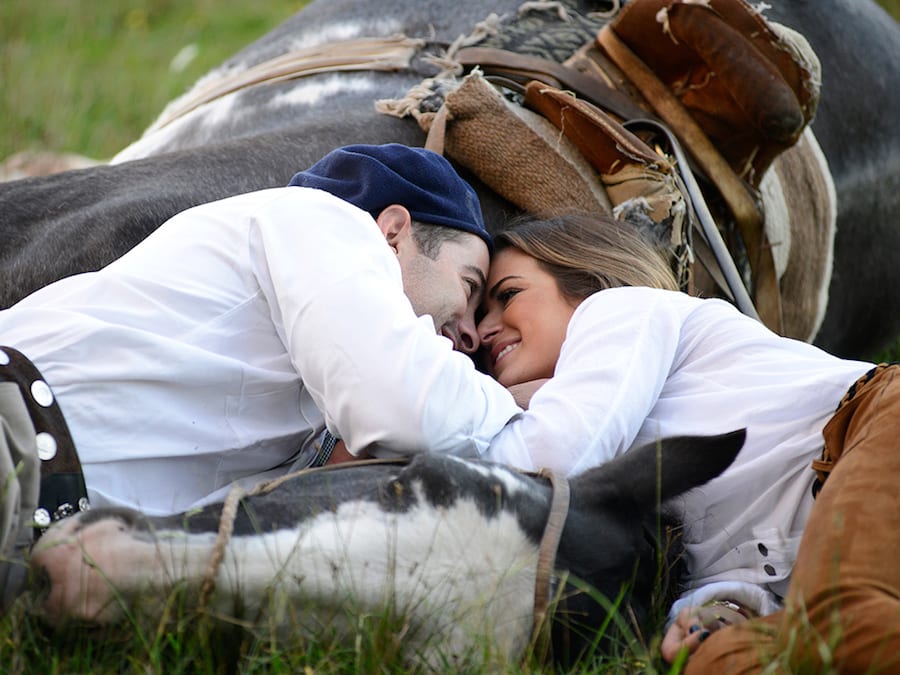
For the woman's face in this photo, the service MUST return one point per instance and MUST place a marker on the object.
(525, 319)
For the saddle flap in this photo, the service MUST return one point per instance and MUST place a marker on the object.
(751, 86)
(604, 142)
(630, 169)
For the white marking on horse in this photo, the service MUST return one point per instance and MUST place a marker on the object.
(512, 482)
(347, 30)
(207, 117)
(455, 575)
(312, 92)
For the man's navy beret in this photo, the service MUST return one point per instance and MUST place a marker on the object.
(372, 177)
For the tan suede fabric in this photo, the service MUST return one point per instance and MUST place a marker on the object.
(842, 613)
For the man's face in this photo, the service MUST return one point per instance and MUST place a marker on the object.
(449, 288)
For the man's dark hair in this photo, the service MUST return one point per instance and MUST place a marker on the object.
(430, 238)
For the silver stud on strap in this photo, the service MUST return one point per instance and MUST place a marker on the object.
(42, 518)
(46, 446)
(41, 393)
(63, 511)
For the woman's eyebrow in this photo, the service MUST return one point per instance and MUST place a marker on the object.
(493, 292)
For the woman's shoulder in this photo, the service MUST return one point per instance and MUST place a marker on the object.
(643, 306)
(642, 298)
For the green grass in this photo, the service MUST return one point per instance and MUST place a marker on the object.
(892, 6)
(87, 76)
(185, 642)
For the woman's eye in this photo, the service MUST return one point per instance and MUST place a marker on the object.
(506, 295)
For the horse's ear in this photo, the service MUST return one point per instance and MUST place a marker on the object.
(395, 223)
(658, 471)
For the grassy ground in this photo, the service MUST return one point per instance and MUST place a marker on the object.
(87, 76)
(185, 642)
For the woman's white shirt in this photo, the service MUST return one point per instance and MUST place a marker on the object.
(640, 364)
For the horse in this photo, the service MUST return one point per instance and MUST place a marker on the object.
(453, 548)
(258, 136)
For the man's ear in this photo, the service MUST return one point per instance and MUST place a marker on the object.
(395, 223)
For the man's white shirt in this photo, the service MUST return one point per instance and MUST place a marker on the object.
(208, 353)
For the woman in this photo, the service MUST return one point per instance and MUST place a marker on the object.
(588, 304)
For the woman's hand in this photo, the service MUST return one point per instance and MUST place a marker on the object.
(694, 624)
(523, 392)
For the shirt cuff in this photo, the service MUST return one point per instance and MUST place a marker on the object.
(751, 596)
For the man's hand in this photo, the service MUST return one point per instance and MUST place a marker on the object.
(695, 624)
(523, 392)
(340, 454)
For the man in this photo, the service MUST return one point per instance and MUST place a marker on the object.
(221, 347)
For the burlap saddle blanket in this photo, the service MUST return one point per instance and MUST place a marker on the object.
(736, 93)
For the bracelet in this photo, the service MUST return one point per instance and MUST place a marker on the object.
(733, 606)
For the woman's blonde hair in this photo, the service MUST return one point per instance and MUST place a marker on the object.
(588, 253)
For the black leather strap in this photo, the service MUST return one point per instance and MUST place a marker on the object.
(63, 491)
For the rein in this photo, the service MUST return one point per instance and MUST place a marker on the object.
(556, 520)
(361, 54)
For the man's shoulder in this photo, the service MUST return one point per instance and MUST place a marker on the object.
(281, 200)
(259, 199)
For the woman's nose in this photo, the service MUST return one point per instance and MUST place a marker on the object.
(487, 328)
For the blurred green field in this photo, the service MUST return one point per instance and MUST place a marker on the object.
(88, 76)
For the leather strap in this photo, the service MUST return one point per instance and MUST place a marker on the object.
(556, 522)
(361, 54)
(62, 488)
(522, 69)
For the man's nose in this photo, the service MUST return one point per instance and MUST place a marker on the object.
(468, 335)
